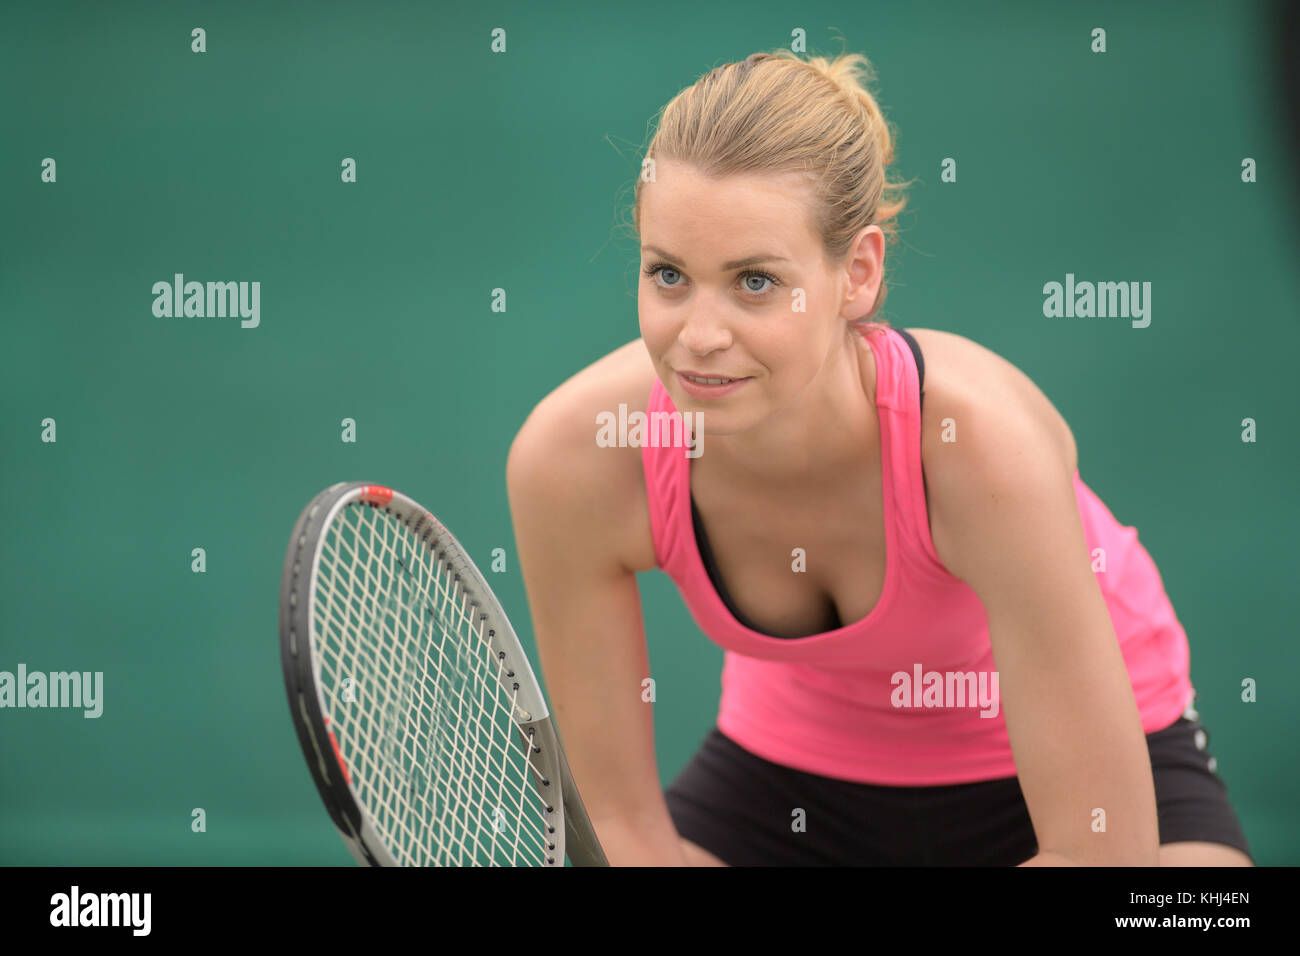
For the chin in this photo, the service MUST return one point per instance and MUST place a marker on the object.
(718, 421)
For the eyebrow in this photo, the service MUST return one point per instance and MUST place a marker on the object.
(736, 264)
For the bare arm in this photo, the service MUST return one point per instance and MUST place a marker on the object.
(568, 500)
(1005, 501)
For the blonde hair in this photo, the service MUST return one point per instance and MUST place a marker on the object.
(774, 112)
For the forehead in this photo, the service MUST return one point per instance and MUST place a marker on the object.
(682, 198)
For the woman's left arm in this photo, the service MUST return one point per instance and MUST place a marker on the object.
(1005, 520)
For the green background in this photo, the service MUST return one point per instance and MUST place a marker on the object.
(479, 170)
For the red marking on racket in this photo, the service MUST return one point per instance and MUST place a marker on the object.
(333, 742)
(376, 495)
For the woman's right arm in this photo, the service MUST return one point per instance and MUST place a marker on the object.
(570, 501)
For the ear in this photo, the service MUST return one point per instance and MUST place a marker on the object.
(863, 270)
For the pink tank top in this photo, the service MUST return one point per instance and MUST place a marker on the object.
(852, 703)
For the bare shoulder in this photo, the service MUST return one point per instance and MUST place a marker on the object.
(556, 463)
(973, 385)
(982, 417)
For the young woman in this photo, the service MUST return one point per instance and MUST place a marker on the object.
(941, 647)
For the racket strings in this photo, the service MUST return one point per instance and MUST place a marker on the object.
(418, 701)
(461, 623)
(403, 677)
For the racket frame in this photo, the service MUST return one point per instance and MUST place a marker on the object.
(568, 826)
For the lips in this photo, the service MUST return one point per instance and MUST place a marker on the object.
(710, 387)
(710, 381)
(710, 378)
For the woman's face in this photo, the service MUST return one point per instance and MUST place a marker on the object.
(772, 321)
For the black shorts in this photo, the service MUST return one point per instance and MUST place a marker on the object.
(739, 807)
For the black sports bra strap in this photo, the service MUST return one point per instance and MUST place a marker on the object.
(920, 361)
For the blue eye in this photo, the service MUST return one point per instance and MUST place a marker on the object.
(655, 268)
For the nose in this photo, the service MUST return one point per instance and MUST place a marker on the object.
(702, 333)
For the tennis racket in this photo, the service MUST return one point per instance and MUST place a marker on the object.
(416, 708)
